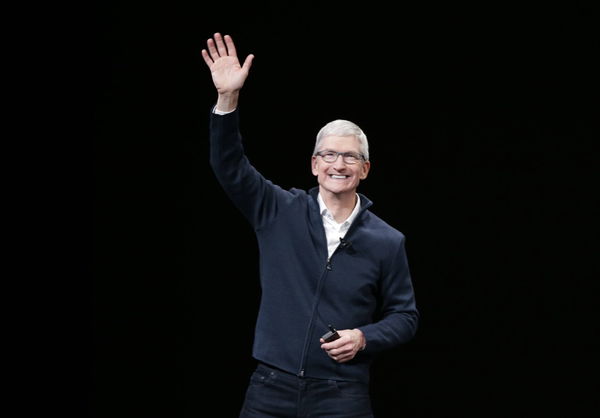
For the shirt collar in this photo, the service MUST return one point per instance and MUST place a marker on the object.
(325, 212)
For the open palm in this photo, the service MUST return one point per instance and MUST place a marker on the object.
(221, 57)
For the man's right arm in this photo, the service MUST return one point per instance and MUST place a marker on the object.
(255, 196)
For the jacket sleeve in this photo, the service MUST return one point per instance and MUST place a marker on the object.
(257, 198)
(399, 315)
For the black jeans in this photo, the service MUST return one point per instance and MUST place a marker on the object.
(274, 393)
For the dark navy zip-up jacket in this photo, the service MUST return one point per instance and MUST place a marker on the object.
(365, 285)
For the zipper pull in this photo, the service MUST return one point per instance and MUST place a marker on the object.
(328, 266)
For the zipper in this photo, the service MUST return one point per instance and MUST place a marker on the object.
(307, 341)
(328, 267)
(312, 317)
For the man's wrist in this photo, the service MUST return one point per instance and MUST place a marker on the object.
(221, 112)
(227, 102)
(363, 340)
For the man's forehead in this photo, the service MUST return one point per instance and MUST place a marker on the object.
(337, 141)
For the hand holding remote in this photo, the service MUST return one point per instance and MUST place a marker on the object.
(330, 336)
(342, 346)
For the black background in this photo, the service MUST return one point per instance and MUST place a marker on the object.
(481, 123)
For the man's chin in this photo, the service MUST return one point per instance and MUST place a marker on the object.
(338, 190)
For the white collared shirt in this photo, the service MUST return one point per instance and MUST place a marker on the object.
(334, 230)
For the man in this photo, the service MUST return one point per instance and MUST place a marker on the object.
(327, 265)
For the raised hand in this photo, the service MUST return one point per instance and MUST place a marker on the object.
(221, 58)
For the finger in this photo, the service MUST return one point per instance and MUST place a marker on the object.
(342, 349)
(212, 50)
(207, 58)
(230, 45)
(248, 62)
(334, 344)
(344, 359)
(338, 352)
(220, 45)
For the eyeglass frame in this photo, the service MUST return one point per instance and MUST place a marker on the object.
(343, 154)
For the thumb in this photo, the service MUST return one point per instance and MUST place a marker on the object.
(248, 62)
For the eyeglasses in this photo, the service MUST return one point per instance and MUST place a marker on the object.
(332, 156)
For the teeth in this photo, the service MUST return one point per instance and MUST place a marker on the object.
(338, 177)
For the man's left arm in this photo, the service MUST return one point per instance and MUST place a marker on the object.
(399, 315)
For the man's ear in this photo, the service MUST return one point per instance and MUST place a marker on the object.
(365, 170)
(313, 164)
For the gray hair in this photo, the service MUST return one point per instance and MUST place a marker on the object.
(342, 127)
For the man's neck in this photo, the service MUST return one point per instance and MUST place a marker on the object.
(340, 205)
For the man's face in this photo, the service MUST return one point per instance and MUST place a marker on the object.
(339, 177)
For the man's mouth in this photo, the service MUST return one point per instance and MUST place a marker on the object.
(338, 176)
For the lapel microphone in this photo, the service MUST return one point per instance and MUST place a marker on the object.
(347, 245)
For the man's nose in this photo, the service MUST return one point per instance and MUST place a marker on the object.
(339, 163)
